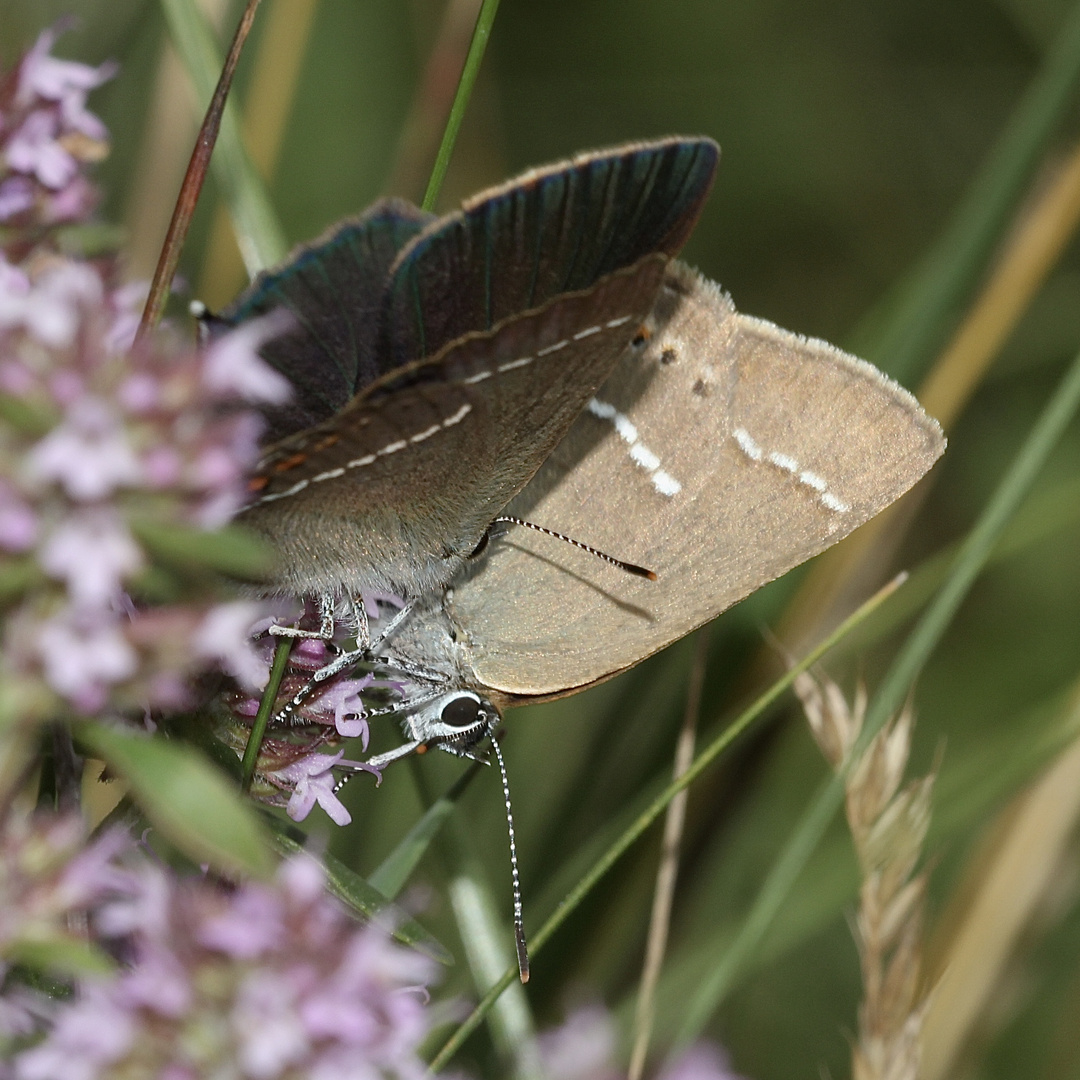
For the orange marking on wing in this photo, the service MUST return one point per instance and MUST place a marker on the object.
(290, 462)
(257, 483)
(325, 443)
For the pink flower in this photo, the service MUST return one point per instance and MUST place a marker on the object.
(52, 309)
(33, 149)
(92, 552)
(315, 993)
(143, 912)
(18, 523)
(702, 1061)
(83, 653)
(160, 983)
(128, 302)
(314, 780)
(162, 466)
(140, 392)
(268, 1027)
(14, 289)
(50, 306)
(54, 876)
(97, 1033)
(62, 81)
(582, 1047)
(232, 364)
(88, 454)
(250, 927)
(225, 637)
(349, 712)
(74, 203)
(16, 196)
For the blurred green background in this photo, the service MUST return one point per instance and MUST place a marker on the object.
(851, 132)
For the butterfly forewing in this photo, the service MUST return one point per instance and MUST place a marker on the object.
(401, 483)
(720, 455)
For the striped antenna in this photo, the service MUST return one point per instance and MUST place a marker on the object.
(629, 567)
(519, 925)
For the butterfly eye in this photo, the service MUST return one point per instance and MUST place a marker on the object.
(462, 712)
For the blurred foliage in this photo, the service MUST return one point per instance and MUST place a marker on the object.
(850, 133)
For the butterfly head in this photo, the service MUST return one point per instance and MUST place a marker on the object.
(455, 721)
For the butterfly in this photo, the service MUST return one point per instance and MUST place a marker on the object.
(436, 362)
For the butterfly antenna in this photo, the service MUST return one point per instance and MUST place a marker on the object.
(629, 567)
(519, 925)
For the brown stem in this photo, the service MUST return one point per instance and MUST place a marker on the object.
(193, 180)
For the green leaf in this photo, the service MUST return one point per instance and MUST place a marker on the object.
(61, 956)
(17, 575)
(261, 240)
(26, 418)
(358, 893)
(187, 798)
(232, 550)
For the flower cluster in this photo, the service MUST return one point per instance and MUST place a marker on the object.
(264, 981)
(107, 436)
(52, 881)
(51, 874)
(106, 444)
(47, 136)
(292, 769)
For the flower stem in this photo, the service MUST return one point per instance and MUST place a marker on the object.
(262, 717)
(193, 180)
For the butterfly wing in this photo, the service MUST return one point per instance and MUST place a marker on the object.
(554, 230)
(400, 485)
(397, 489)
(721, 455)
(333, 287)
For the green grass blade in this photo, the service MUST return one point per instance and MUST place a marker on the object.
(481, 33)
(262, 717)
(258, 233)
(392, 873)
(488, 950)
(905, 669)
(921, 315)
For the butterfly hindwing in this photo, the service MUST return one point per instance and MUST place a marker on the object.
(551, 231)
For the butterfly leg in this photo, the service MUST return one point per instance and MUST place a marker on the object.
(365, 646)
(327, 611)
(388, 631)
(326, 624)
